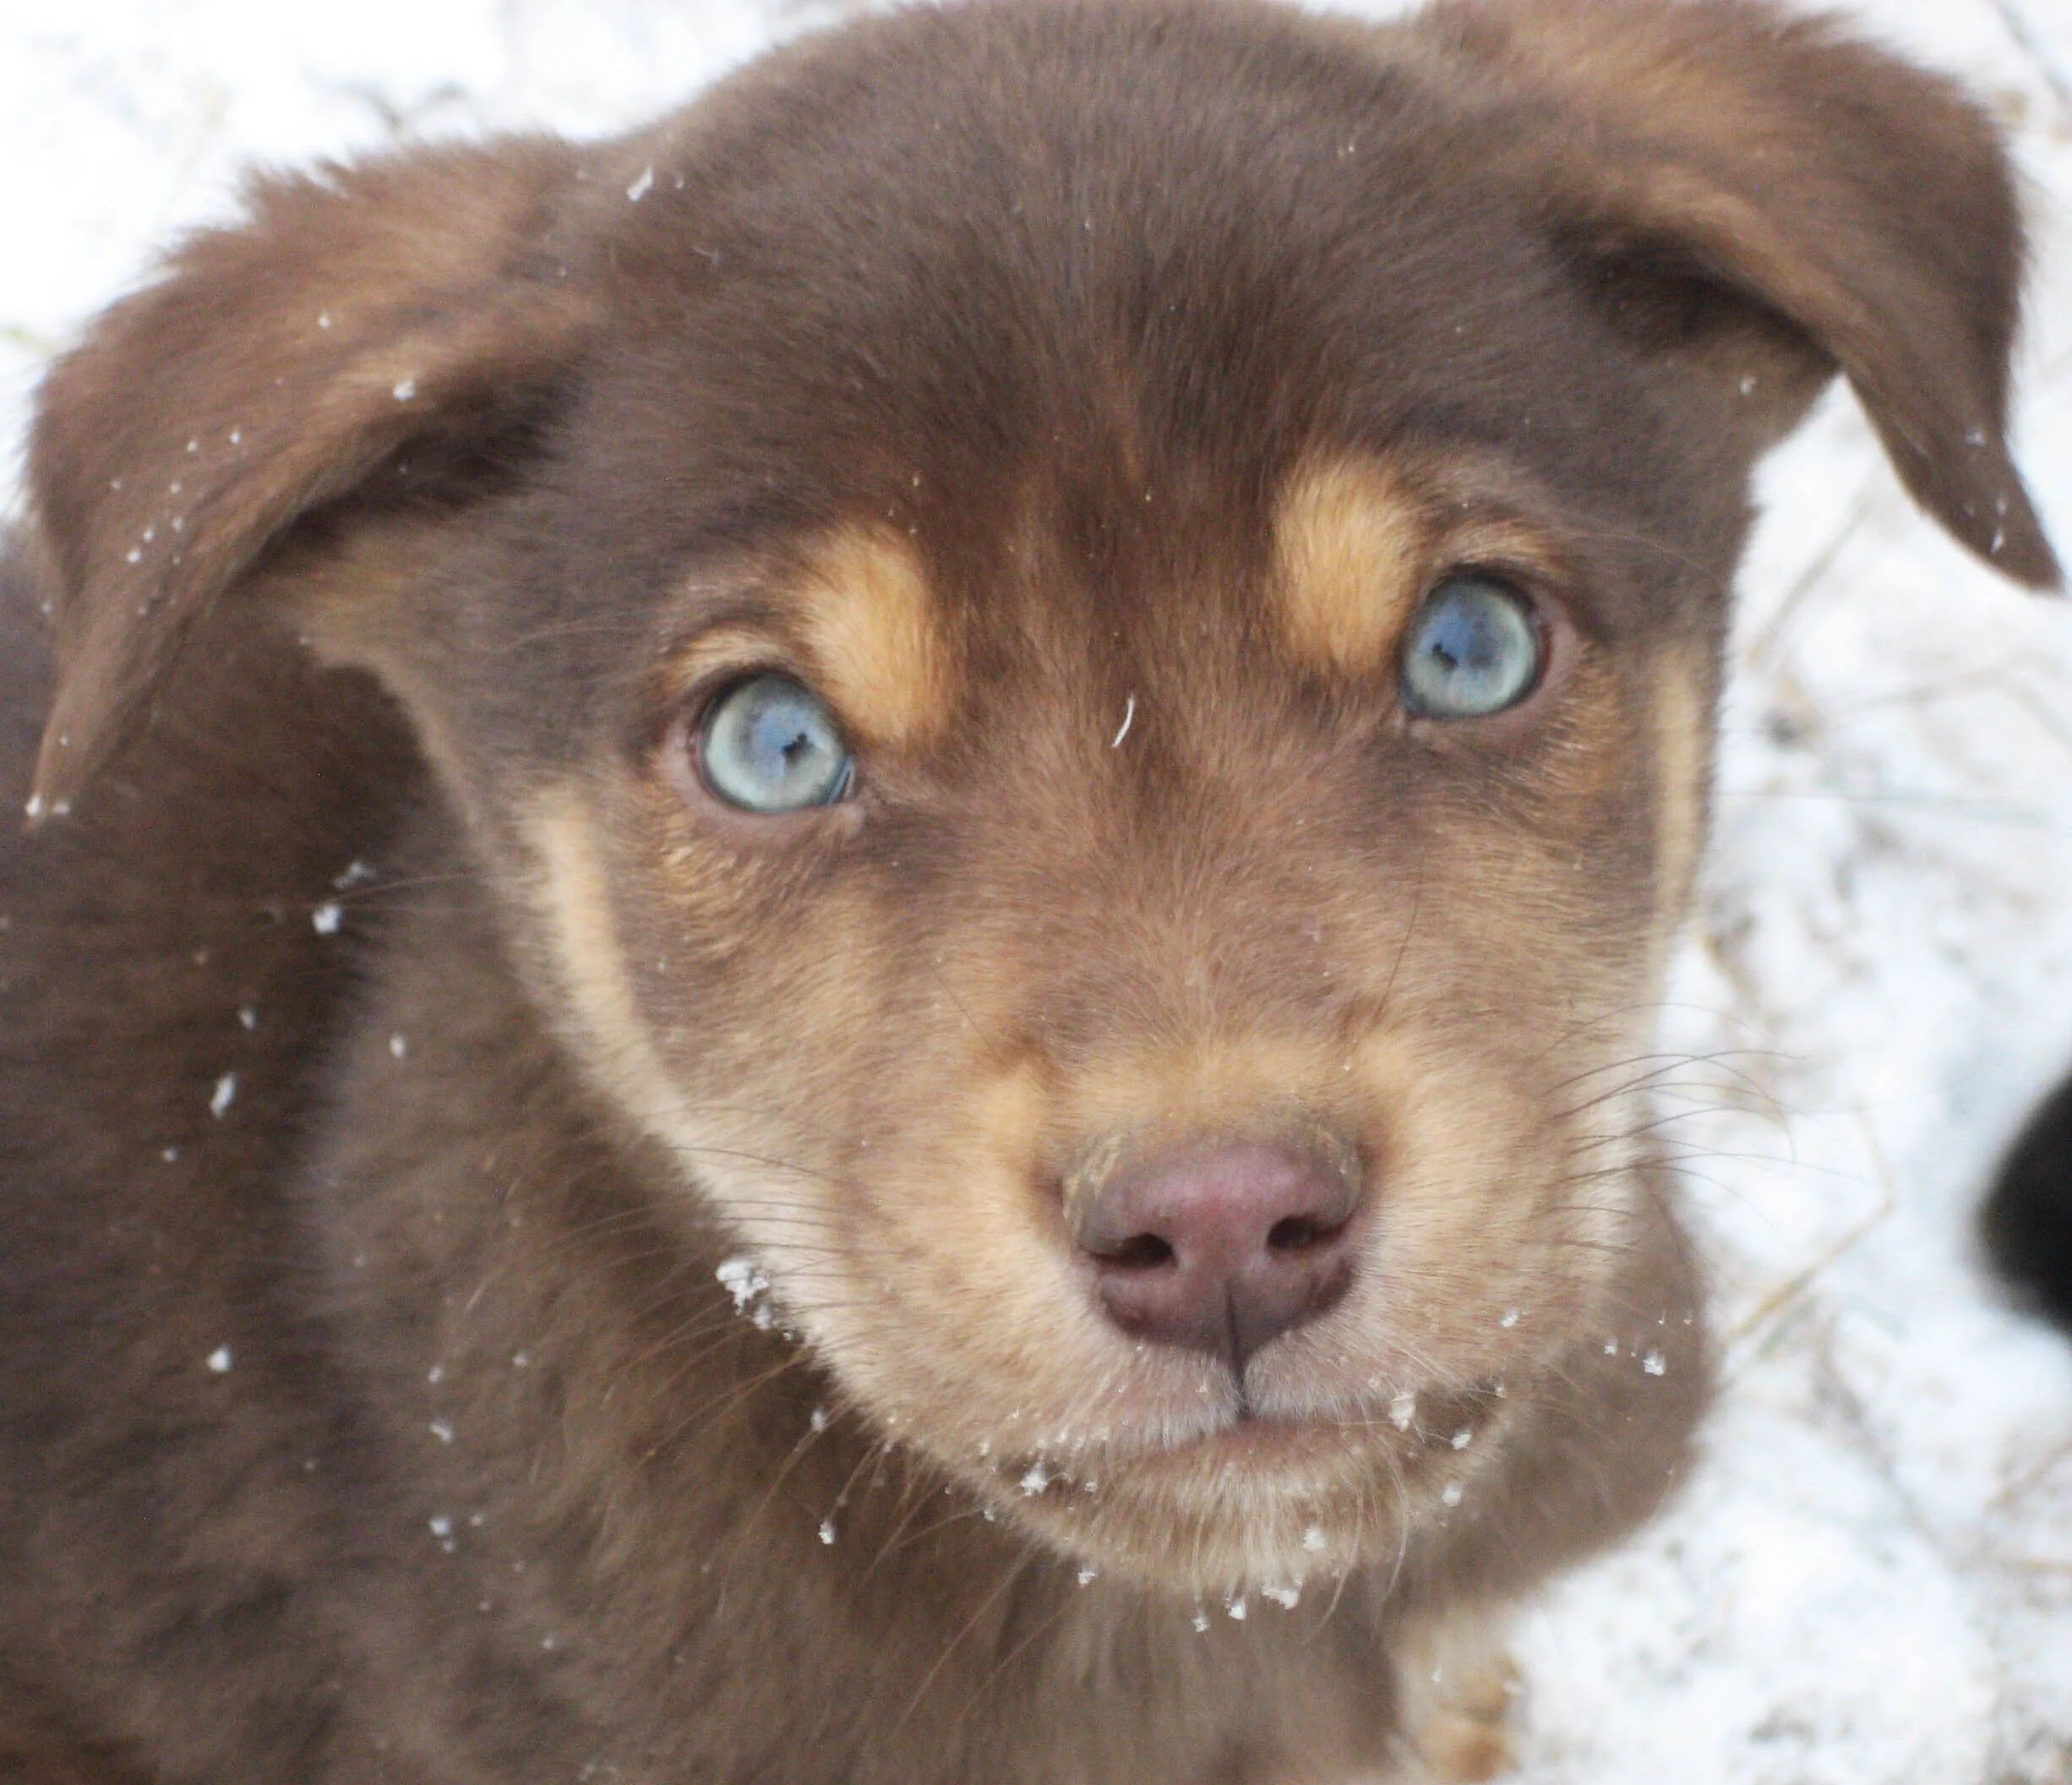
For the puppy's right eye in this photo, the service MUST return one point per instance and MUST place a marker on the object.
(1474, 650)
(769, 745)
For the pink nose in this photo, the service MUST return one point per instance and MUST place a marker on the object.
(1221, 1250)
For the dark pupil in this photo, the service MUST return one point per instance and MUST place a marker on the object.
(1466, 638)
(783, 742)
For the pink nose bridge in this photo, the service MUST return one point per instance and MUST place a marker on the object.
(1220, 1248)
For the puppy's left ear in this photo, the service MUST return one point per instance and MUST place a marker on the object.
(1770, 201)
(412, 305)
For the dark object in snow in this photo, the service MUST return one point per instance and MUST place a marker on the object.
(837, 960)
(2027, 1221)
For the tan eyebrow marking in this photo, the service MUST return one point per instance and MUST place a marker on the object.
(1352, 541)
(880, 653)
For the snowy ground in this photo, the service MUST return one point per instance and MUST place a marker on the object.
(1871, 1582)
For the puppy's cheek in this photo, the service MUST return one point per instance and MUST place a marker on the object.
(579, 961)
(966, 1332)
(1498, 1224)
(746, 1126)
(1682, 766)
(971, 1327)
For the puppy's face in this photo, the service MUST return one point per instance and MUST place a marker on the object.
(1091, 695)
(1177, 1068)
(1128, 850)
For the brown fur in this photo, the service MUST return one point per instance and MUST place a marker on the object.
(388, 1013)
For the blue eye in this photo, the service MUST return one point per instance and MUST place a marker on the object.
(769, 745)
(1474, 650)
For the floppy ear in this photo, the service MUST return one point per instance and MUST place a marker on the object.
(410, 304)
(1774, 201)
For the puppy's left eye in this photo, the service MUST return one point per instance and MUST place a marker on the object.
(769, 745)
(1474, 649)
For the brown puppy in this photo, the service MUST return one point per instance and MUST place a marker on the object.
(841, 956)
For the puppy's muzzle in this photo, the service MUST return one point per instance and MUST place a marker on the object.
(1221, 1246)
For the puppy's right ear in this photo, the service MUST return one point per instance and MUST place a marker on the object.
(424, 304)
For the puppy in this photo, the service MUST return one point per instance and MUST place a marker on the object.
(836, 953)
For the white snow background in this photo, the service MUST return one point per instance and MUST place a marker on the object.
(1870, 1581)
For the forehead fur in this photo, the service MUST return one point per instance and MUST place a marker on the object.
(1041, 320)
(1037, 289)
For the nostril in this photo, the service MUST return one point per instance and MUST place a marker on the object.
(1300, 1233)
(1142, 1252)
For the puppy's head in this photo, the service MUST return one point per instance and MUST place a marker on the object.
(1082, 640)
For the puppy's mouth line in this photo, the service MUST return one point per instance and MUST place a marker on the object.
(1437, 1426)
